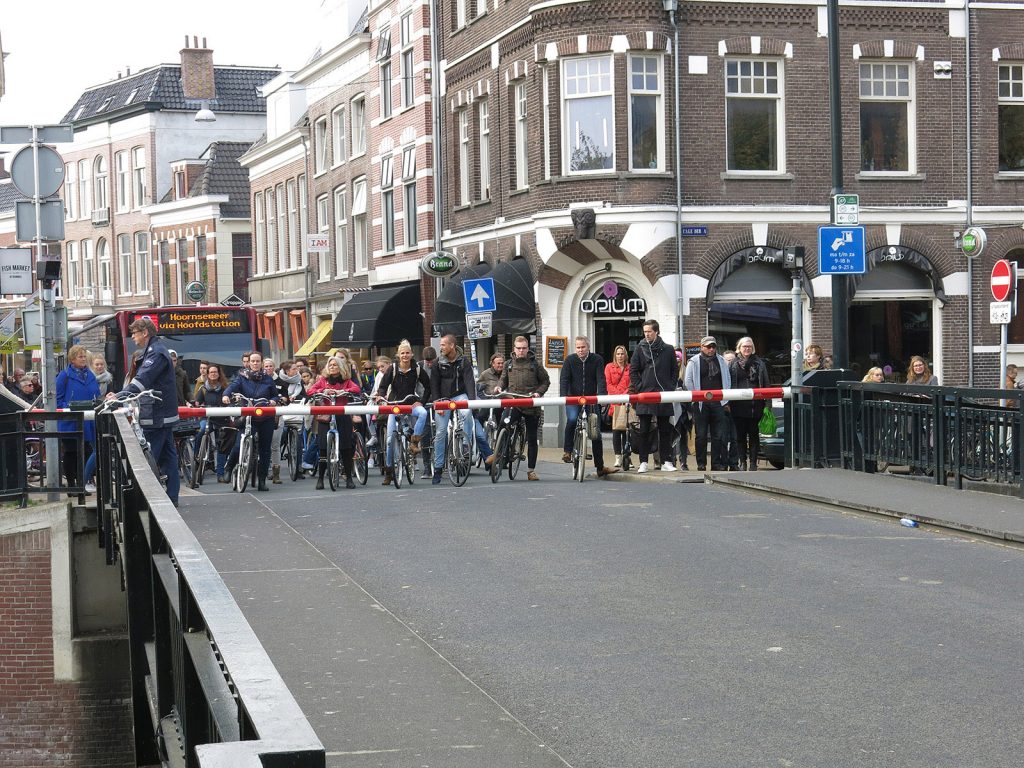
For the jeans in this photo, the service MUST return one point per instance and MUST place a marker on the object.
(161, 444)
(441, 433)
(419, 413)
(572, 414)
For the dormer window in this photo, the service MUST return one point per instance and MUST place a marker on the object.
(131, 96)
(384, 45)
(179, 185)
(102, 107)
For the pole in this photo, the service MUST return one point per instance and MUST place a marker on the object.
(970, 201)
(797, 346)
(840, 299)
(680, 299)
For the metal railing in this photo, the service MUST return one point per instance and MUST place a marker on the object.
(204, 692)
(28, 441)
(943, 432)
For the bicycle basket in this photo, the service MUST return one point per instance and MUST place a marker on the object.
(594, 425)
(186, 426)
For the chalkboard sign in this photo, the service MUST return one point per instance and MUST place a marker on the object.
(554, 354)
(691, 350)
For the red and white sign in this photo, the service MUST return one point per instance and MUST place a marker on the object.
(1001, 284)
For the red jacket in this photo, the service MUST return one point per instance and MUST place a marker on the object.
(346, 386)
(617, 380)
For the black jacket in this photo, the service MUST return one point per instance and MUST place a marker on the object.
(749, 374)
(583, 377)
(448, 379)
(155, 371)
(401, 385)
(653, 368)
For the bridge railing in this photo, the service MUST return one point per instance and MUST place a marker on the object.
(204, 692)
(943, 432)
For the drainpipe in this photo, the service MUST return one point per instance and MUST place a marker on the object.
(304, 136)
(970, 203)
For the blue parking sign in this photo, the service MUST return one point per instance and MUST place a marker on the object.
(841, 251)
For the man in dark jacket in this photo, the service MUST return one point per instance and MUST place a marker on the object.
(182, 386)
(156, 417)
(523, 375)
(708, 370)
(582, 374)
(654, 368)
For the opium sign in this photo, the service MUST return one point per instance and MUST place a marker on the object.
(614, 307)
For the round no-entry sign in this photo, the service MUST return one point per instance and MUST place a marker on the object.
(1000, 281)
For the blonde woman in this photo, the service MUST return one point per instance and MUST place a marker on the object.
(874, 376)
(616, 377)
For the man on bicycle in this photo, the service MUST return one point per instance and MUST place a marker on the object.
(523, 375)
(583, 374)
(156, 417)
(451, 378)
(255, 385)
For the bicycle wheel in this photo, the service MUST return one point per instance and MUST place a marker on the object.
(246, 457)
(579, 453)
(409, 463)
(457, 458)
(397, 459)
(627, 451)
(201, 459)
(499, 455)
(359, 467)
(515, 450)
(294, 454)
(331, 457)
(186, 458)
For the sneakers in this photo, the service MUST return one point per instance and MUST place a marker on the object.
(307, 467)
(668, 466)
(618, 459)
(436, 479)
(605, 471)
(531, 475)
(642, 468)
(566, 457)
(90, 487)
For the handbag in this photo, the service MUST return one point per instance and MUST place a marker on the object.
(593, 425)
(619, 418)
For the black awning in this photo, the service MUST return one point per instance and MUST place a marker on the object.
(755, 270)
(513, 293)
(898, 260)
(450, 306)
(381, 317)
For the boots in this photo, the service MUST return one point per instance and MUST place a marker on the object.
(275, 474)
(320, 476)
(414, 445)
(262, 484)
(389, 475)
(346, 459)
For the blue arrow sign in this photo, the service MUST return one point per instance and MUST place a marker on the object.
(479, 295)
(841, 251)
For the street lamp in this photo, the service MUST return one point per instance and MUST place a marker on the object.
(671, 6)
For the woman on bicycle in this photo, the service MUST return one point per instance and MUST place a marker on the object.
(77, 382)
(210, 395)
(255, 385)
(399, 382)
(616, 377)
(337, 375)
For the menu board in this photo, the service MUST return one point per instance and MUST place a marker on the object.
(691, 350)
(554, 351)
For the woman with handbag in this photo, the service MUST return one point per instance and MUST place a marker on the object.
(616, 376)
(748, 371)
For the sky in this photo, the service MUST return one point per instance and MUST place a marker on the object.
(59, 48)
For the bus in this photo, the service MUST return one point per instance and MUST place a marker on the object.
(216, 334)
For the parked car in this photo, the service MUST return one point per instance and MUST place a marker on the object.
(773, 446)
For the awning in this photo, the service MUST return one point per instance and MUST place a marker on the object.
(450, 306)
(752, 271)
(513, 293)
(316, 338)
(515, 309)
(904, 269)
(381, 317)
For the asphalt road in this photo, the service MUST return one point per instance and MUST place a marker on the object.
(624, 624)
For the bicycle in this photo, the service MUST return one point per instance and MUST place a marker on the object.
(402, 460)
(205, 457)
(131, 404)
(184, 434)
(332, 450)
(293, 445)
(248, 454)
(580, 439)
(458, 451)
(510, 441)
(627, 441)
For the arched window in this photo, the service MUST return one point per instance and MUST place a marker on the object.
(100, 195)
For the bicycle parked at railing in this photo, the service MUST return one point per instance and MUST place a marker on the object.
(131, 405)
(245, 468)
(510, 442)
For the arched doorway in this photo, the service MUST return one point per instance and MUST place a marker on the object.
(616, 313)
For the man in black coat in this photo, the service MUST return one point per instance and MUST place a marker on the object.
(654, 368)
(583, 374)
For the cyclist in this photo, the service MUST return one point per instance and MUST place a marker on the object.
(337, 375)
(583, 374)
(524, 374)
(451, 378)
(399, 382)
(156, 417)
(255, 384)
(488, 383)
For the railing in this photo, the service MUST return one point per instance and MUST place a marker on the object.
(28, 441)
(204, 692)
(101, 216)
(943, 432)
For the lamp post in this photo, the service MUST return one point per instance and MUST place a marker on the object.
(671, 6)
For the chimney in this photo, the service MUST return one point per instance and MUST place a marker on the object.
(197, 71)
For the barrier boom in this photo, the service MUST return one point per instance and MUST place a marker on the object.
(650, 398)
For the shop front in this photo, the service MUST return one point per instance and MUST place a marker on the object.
(373, 322)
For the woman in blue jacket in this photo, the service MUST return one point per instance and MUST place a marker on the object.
(254, 384)
(77, 382)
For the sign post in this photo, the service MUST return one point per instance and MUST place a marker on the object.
(479, 296)
(1003, 283)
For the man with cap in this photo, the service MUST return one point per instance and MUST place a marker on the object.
(708, 370)
(654, 368)
(181, 383)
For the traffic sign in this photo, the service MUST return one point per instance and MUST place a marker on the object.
(1000, 312)
(479, 295)
(1001, 280)
(478, 325)
(846, 209)
(841, 251)
(51, 171)
(233, 301)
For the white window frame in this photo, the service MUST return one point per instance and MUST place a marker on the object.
(323, 225)
(122, 183)
(105, 281)
(464, 194)
(284, 258)
(753, 77)
(407, 62)
(546, 120)
(271, 219)
(1010, 94)
(70, 191)
(142, 265)
(460, 13)
(484, 123)
(303, 221)
(84, 189)
(387, 204)
(101, 198)
(357, 125)
(340, 233)
(259, 214)
(386, 107)
(409, 196)
(72, 270)
(360, 226)
(320, 145)
(338, 154)
(293, 225)
(522, 141)
(181, 267)
(124, 264)
(909, 100)
(643, 90)
(578, 86)
(88, 265)
(139, 180)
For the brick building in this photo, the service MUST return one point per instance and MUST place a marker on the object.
(559, 138)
